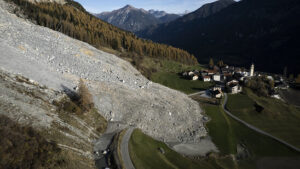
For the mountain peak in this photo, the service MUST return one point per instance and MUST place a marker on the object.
(135, 19)
(128, 7)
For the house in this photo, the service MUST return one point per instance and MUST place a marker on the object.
(204, 74)
(238, 70)
(195, 77)
(217, 88)
(233, 81)
(227, 76)
(211, 72)
(233, 87)
(191, 73)
(270, 78)
(217, 94)
(225, 70)
(206, 78)
(217, 77)
(239, 76)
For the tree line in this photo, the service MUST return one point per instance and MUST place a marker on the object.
(72, 20)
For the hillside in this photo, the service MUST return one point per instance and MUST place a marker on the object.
(55, 62)
(265, 32)
(206, 10)
(132, 19)
(72, 20)
(176, 26)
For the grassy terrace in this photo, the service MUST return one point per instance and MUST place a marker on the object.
(167, 75)
(271, 115)
(174, 81)
(226, 133)
(145, 154)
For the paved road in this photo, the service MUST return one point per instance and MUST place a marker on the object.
(104, 142)
(256, 129)
(124, 149)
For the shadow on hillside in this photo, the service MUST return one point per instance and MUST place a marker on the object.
(73, 95)
(199, 89)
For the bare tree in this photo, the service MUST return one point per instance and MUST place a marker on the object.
(85, 97)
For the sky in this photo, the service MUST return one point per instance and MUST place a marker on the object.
(170, 6)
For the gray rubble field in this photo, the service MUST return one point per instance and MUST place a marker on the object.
(120, 92)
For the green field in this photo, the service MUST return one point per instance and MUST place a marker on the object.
(226, 133)
(145, 154)
(174, 81)
(271, 115)
(166, 73)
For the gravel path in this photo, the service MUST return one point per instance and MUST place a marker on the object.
(193, 94)
(202, 148)
(124, 149)
(255, 128)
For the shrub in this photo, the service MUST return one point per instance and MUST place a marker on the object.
(23, 147)
(85, 98)
(261, 86)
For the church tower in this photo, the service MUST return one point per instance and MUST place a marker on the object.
(252, 70)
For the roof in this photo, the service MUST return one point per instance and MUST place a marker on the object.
(227, 74)
(212, 71)
(216, 92)
(233, 84)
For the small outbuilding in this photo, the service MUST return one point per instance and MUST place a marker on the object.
(206, 78)
(217, 94)
(195, 77)
(217, 77)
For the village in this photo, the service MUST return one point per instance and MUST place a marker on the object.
(231, 79)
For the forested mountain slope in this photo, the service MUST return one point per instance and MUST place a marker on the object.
(73, 20)
(265, 32)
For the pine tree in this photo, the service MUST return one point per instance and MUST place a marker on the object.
(285, 72)
(220, 63)
(211, 63)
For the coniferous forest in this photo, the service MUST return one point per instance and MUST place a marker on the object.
(72, 20)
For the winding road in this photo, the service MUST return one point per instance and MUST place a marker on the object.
(124, 149)
(125, 141)
(255, 128)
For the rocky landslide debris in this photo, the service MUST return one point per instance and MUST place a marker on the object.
(120, 92)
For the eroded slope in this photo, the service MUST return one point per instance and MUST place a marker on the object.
(120, 92)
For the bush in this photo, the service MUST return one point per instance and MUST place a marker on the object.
(23, 147)
(261, 86)
(85, 98)
(78, 103)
